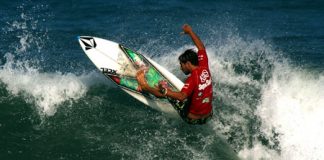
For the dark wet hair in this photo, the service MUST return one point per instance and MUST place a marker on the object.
(189, 55)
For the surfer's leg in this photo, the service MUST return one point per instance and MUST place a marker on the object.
(183, 110)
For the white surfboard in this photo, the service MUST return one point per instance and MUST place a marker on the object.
(121, 64)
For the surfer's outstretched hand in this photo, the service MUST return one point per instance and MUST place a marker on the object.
(186, 28)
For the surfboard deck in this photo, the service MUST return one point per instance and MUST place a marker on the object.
(121, 64)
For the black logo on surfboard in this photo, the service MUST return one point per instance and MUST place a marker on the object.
(88, 42)
(109, 71)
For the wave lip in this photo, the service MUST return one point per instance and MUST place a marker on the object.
(291, 111)
(46, 90)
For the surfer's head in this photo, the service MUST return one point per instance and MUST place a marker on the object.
(187, 59)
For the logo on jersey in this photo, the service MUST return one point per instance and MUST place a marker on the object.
(203, 86)
(201, 57)
(204, 79)
(204, 75)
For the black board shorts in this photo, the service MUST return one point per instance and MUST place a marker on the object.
(183, 110)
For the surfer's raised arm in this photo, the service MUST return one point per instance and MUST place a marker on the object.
(188, 30)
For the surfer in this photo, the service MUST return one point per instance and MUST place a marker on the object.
(197, 92)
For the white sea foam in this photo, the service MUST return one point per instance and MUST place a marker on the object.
(290, 108)
(22, 77)
(46, 90)
(293, 106)
(259, 152)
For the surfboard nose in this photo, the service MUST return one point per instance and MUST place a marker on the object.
(87, 41)
(84, 37)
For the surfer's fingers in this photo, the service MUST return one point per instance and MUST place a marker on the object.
(142, 70)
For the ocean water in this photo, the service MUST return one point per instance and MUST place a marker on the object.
(266, 59)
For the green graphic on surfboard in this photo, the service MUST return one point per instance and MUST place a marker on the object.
(152, 76)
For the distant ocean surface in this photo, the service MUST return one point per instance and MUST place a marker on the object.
(267, 65)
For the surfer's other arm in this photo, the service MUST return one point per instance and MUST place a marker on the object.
(188, 30)
(140, 76)
(157, 91)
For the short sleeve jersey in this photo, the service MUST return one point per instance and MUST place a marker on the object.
(198, 87)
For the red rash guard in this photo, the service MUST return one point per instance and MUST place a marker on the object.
(198, 87)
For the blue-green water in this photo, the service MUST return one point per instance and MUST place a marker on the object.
(266, 59)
